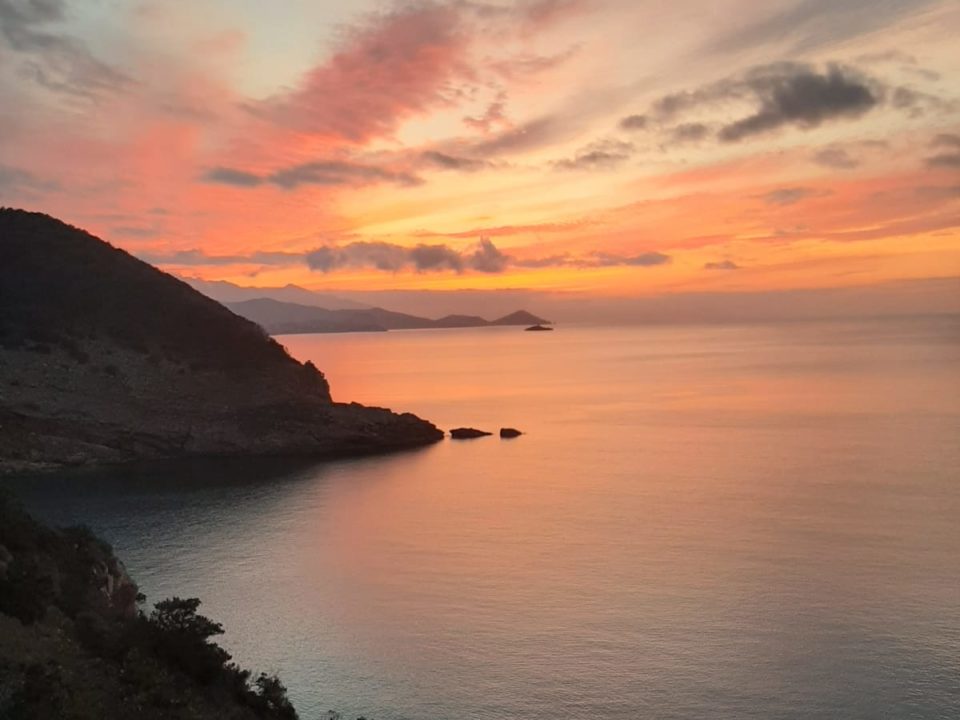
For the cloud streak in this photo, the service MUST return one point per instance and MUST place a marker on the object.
(56, 61)
(328, 173)
(481, 257)
(783, 94)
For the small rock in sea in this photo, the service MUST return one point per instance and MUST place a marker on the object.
(538, 328)
(510, 433)
(467, 433)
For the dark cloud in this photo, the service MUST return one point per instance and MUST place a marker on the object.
(385, 256)
(338, 173)
(53, 60)
(542, 262)
(453, 162)
(601, 155)
(789, 195)
(836, 158)
(800, 96)
(487, 258)
(533, 134)
(483, 257)
(945, 160)
(435, 257)
(635, 122)
(938, 192)
(326, 173)
(647, 259)
(379, 255)
(811, 24)
(689, 132)
(230, 176)
(783, 94)
(13, 179)
(946, 140)
(722, 265)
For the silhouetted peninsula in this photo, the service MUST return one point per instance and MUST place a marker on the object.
(104, 358)
(284, 318)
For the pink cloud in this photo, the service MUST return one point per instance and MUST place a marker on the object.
(396, 66)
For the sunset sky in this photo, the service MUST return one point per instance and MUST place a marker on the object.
(612, 147)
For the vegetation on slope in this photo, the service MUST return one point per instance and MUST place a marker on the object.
(62, 286)
(74, 645)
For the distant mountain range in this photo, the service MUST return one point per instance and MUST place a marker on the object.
(227, 292)
(287, 318)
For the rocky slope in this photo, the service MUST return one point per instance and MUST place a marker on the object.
(104, 358)
(74, 644)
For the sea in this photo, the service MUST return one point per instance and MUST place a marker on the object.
(734, 522)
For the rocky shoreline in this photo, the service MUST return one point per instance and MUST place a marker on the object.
(106, 359)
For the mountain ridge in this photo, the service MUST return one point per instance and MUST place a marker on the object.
(280, 318)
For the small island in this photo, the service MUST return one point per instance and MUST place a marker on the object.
(538, 328)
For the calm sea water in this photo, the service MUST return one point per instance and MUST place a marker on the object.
(701, 522)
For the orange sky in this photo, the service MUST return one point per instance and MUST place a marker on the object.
(604, 146)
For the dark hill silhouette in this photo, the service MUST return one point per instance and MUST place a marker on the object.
(291, 318)
(459, 321)
(280, 318)
(520, 317)
(105, 358)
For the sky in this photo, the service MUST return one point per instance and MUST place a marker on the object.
(598, 148)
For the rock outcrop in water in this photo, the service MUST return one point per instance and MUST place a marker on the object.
(509, 433)
(104, 358)
(468, 433)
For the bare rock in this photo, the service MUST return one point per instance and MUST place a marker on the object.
(468, 433)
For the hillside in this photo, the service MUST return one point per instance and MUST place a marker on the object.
(104, 358)
(281, 318)
(74, 643)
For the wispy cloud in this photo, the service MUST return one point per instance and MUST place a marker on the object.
(790, 195)
(389, 68)
(54, 59)
(482, 257)
(603, 154)
(330, 173)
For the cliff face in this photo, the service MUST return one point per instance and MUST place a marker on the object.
(104, 358)
(75, 646)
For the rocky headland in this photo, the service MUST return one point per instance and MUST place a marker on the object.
(104, 358)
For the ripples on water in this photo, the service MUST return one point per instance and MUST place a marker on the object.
(739, 522)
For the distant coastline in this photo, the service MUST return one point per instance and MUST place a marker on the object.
(287, 318)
